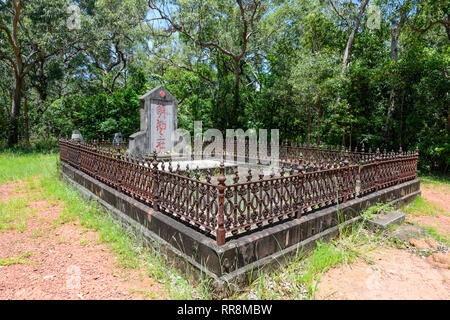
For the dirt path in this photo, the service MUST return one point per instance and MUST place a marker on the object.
(437, 195)
(396, 274)
(399, 273)
(440, 197)
(50, 260)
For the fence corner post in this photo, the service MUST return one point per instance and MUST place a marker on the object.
(220, 235)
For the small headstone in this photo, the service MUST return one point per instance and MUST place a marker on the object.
(159, 120)
(76, 136)
(117, 138)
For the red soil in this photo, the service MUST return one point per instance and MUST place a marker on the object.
(66, 262)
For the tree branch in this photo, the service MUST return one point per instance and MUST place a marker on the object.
(181, 29)
(431, 24)
(183, 67)
(337, 12)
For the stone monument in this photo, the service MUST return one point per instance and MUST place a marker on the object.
(159, 110)
(76, 136)
(117, 138)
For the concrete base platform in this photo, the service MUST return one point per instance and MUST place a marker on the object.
(385, 220)
(233, 265)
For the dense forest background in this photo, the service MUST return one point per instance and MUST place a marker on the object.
(333, 72)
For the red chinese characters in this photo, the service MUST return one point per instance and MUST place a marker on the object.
(161, 127)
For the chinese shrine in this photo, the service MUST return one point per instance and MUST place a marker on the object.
(158, 120)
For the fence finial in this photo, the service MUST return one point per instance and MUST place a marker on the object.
(249, 175)
(208, 175)
(197, 173)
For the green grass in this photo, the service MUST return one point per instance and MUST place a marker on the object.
(41, 171)
(421, 207)
(84, 242)
(21, 259)
(437, 236)
(438, 181)
(369, 213)
(433, 233)
(298, 279)
(145, 293)
(13, 214)
(24, 166)
(37, 234)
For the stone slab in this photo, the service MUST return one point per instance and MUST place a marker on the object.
(408, 231)
(385, 220)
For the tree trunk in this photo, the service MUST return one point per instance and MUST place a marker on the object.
(26, 122)
(351, 38)
(309, 126)
(235, 113)
(350, 137)
(350, 41)
(13, 134)
(395, 34)
(319, 120)
(401, 116)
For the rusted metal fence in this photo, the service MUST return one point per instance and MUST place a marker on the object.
(223, 206)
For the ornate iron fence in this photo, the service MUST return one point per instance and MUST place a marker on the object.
(223, 206)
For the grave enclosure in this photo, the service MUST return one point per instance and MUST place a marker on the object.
(228, 220)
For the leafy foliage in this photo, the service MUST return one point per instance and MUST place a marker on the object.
(290, 75)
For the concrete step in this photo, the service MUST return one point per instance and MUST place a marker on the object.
(386, 219)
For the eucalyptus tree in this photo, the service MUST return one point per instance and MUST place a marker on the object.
(30, 32)
(113, 31)
(230, 28)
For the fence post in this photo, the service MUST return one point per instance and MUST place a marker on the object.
(119, 170)
(347, 176)
(377, 169)
(299, 193)
(399, 165)
(96, 160)
(220, 236)
(416, 161)
(78, 148)
(155, 178)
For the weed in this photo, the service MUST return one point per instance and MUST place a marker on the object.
(84, 242)
(379, 208)
(37, 233)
